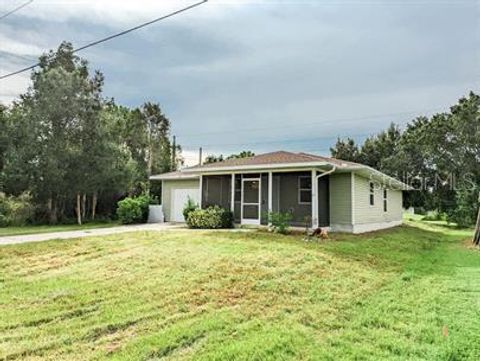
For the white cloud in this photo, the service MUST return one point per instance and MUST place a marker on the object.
(232, 64)
(10, 88)
(110, 12)
(190, 157)
(14, 46)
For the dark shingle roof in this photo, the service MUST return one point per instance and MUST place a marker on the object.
(280, 157)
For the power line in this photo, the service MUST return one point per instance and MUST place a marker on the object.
(113, 36)
(296, 125)
(279, 141)
(15, 10)
(12, 55)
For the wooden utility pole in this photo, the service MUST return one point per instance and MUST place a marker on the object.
(200, 156)
(174, 153)
(476, 237)
(150, 145)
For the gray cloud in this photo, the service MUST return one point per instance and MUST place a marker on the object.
(288, 66)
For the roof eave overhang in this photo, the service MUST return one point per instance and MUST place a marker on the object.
(182, 177)
(257, 167)
(196, 172)
(384, 179)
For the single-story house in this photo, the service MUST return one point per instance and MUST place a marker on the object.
(317, 191)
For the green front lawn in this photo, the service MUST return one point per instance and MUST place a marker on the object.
(15, 231)
(408, 293)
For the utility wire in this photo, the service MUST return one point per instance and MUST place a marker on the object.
(15, 10)
(295, 125)
(18, 56)
(290, 141)
(113, 36)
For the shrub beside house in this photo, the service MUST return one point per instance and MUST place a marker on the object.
(133, 209)
(213, 217)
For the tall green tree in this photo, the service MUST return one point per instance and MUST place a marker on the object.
(60, 144)
(57, 104)
(219, 158)
(242, 154)
(458, 157)
(345, 149)
(159, 148)
(72, 148)
(212, 158)
(375, 150)
(4, 137)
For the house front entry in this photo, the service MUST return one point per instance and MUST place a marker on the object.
(250, 206)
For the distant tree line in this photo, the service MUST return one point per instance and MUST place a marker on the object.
(439, 156)
(75, 151)
(219, 158)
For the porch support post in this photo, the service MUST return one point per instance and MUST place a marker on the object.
(270, 193)
(232, 195)
(314, 199)
(200, 190)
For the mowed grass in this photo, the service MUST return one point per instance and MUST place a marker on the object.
(404, 294)
(34, 229)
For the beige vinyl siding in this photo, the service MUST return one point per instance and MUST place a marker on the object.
(365, 213)
(168, 186)
(340, 199)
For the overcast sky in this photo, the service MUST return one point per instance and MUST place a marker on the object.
(263, 75)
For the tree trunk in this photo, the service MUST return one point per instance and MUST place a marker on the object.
(49, 209)
(52, 210)
(476, 237)
(78, 209)
(61, 208)
(94, 205)
(84, 205)
(150, 159)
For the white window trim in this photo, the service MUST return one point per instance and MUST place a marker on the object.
(304, 189)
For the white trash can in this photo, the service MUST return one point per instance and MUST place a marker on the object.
(155, 213)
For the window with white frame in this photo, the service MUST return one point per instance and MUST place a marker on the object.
(304, 190)
(372, 194)
(385, 200)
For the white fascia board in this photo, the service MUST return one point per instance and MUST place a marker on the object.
(386, 179)
(178, 177)
(352, 195)
(258, 167)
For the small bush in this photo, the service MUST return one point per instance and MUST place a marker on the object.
(190, 206)
(279, 222)
(210, 218)
(154, 200)
(15, 211)
(432, 216)
(466, 209)
(420, 210)
(133, 209)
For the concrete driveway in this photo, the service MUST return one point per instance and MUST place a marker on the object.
(87, 233)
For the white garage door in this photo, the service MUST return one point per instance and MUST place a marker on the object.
(179, 199)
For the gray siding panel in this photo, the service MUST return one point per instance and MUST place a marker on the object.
(264, 200)
(323, 202)
(340, 199)
(289, 202)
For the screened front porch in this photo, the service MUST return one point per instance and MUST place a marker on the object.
(251, 196)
